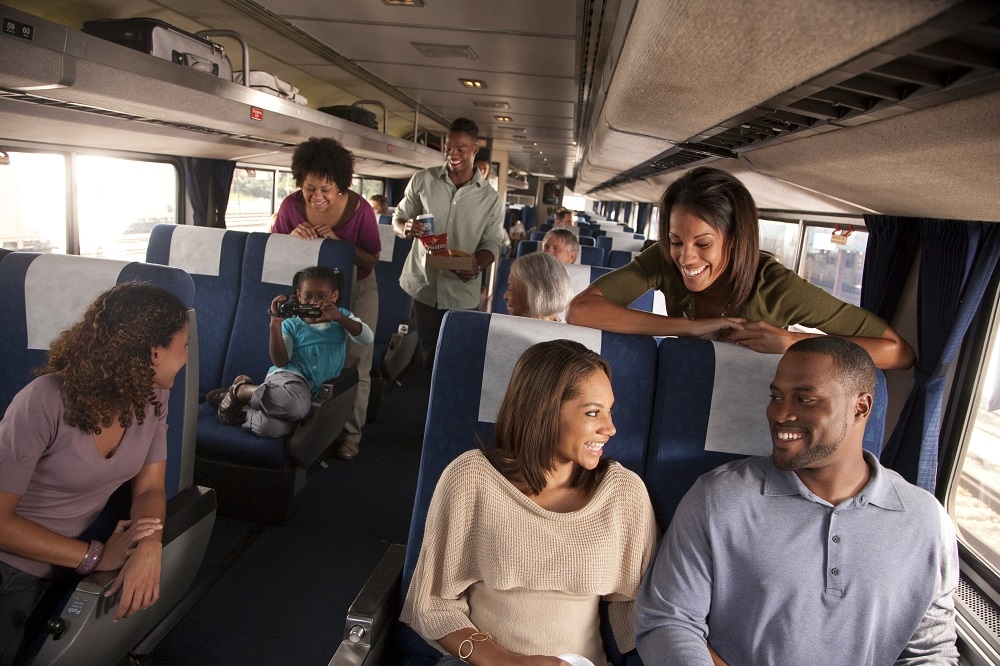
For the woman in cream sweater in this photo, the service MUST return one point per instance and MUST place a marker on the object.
(523, 541)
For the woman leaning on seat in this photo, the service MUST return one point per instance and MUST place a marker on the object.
(538, 287)
(719, 285)
(325, 207)
(524, 540)
(93, 419)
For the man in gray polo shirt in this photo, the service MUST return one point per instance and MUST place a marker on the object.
(815, 554)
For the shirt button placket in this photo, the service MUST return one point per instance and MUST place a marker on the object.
(833, 581)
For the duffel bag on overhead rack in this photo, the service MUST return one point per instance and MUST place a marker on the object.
(355, 114)
(163, 40)
(272, 85)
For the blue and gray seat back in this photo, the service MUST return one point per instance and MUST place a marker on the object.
(709, 410)
(619, 258)
(214, 260)
(475, 357)
(42, 295)
(587, 240)
(393, 303)
(270, 261)
(385, 219)
(612, 241)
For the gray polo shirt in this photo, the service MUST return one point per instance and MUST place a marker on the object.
(769, 573)
(471, 215)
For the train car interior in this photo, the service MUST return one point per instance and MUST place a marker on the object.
(867, 133)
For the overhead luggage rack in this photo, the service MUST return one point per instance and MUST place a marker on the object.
(85, 80)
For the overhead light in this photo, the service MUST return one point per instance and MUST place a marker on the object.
(404, 3)
(520, 137)
(445, 50)
(473, 83)
(490, 105)
(504, 119)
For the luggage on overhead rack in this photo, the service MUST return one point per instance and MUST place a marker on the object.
(164, 41)
(355, 114)
(272, 85)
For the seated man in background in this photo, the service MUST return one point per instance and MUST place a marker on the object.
(815, 553)
(379, 203)
(564, 220)
(562, 245)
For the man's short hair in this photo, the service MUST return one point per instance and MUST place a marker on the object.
(567, 237)
(853, 366)
(464, 126)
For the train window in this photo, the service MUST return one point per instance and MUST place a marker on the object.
(284, 186)
(367, 187)
(251, 200)
(779, 238)
(119, 201)
(976, 503)
(33, 189)
(834, 266)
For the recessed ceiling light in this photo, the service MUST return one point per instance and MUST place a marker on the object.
(473, 83)
(502, 106)
(504, 119)
(445, 50)
(404, 3)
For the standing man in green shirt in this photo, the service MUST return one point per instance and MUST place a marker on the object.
(466, 208)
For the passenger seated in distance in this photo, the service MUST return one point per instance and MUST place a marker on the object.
(510, 570)
(564, 220)
(816, 553)
(719, 285)
(93, 419)
(379, 204)
(538, 287)
(562, 245)
(306, 350)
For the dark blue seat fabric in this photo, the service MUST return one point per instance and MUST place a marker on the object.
(527, 247)
(43, 294)
(619, 258)
(385, 219)
(537, 236)
(269, 264)
(587, 240)
(214, 260)
(592, 256)
(475, 345)
(393, 303)
(614, 241)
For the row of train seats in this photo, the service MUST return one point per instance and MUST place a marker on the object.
(589, 256)
(40, 296)
(580, 276)
(682, 408)
(236, 276)
(616, 249)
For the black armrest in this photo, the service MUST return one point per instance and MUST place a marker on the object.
(372, 613)
(329, 414)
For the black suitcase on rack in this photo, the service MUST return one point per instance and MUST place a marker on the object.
(163, 40)
(355, 114)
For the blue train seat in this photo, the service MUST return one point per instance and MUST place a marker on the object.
(591, 256)
(709, 409)
(214, 260)
(4, 252)
(586, 234)
(537, 236)
(613, 241)
(40, 296)
(393, 303)
(580, 276)
(385, 219)
(587, 240)
(619, 258)
(255, 477)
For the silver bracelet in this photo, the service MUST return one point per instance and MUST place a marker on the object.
(91, 559)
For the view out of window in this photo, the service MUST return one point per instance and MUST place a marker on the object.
(976, 507)
(366, 187)
(251, 200)
(779, 239)
(33, 192)
(118, 203)
(834, 267)
(285, 186)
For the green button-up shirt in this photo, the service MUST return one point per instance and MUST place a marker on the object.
(471, 215)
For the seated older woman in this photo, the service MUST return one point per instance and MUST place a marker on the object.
(538, 287)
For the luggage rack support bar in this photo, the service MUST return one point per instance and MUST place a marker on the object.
(385, 115)
(243, 44)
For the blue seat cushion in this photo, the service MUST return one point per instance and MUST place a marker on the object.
(236, 444)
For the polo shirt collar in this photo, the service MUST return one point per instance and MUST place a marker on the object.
(879, 490)
(442, 174)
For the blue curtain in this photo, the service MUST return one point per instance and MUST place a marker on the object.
(208, 182)
(957, 260)
(642, 218)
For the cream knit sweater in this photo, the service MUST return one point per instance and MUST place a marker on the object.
(487, 540)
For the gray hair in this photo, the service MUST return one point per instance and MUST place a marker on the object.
(546, 283)
(567, 236)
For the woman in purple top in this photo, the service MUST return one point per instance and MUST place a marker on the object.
(325, 207)
(93, 419)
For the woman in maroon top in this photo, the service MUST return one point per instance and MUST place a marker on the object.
(94, 419)
(325, 207)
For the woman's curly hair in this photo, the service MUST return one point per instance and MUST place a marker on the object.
(105, 357)
(324, 158)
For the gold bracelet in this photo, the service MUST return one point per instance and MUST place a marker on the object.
(473, 638)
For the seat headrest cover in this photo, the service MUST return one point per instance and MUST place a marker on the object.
(509, 337)
(198, 250)
(630, 244)
(388, 239)
(58, 288)
(739, 399)
(579, 277)
(286, 255)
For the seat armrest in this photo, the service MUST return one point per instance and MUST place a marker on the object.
(329, 414)
(372, 613)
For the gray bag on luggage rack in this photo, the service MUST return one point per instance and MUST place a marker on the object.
(163, 40)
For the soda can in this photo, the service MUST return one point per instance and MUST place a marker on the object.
(427, 220)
